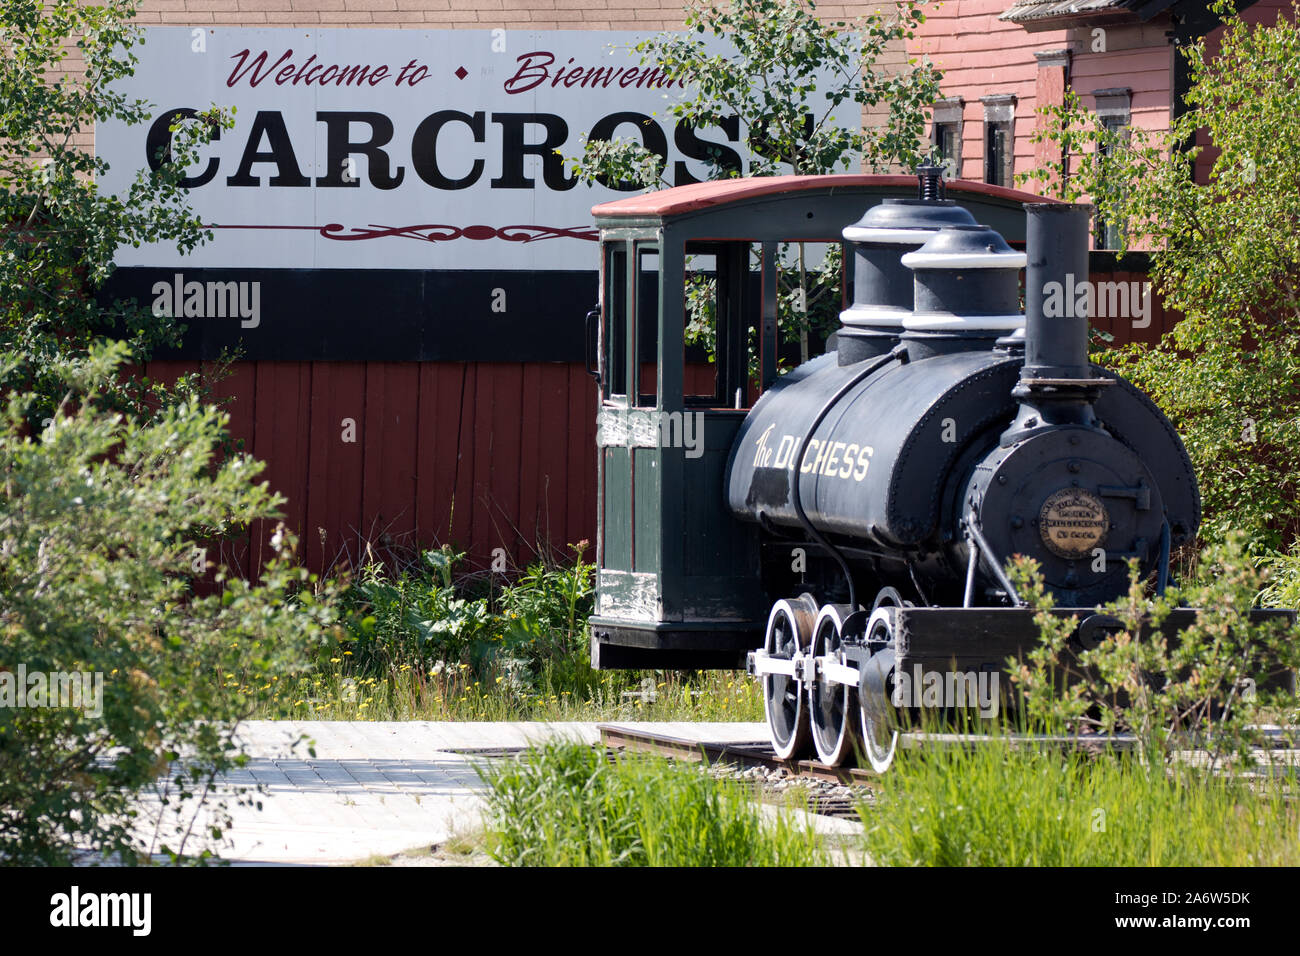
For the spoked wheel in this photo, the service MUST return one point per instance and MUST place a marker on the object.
(878, 719)
(830, 703)
(789, 630)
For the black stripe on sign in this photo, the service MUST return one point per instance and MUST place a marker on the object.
(371, 314)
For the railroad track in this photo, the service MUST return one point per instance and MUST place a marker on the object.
(618, 739)
(759, 753)
(743, 755)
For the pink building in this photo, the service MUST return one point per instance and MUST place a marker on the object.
(1002, 60)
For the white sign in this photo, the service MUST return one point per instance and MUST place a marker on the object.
(400, 149)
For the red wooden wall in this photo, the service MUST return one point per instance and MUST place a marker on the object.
(481, 455)
(1159, 319)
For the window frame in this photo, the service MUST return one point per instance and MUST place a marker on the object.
(946, 130)
(1114, 110)
(999, 123)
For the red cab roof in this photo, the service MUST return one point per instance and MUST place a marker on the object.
(683, 199)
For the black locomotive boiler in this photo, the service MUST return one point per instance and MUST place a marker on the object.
(846, 530)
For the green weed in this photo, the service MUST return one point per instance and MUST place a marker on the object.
(566, 805)
(993, 805)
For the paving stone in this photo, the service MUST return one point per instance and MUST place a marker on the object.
(376, 787)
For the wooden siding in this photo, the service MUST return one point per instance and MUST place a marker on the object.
(1136, 57)
(980, 56)
(481, 455)
(1158, 322)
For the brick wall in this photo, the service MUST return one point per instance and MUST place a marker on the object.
(980, 55)
(446, 14)
(419, 14)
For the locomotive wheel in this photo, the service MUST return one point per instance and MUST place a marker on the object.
(789, 630)
(878, 719)
(889, 597)
(830, 704)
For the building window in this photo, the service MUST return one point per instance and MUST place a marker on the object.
(945, 135)
(999, 139)
(999, 155)
(947, 148)
(1113, 109)
(1052, 83)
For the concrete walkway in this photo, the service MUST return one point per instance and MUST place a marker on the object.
(379, 788)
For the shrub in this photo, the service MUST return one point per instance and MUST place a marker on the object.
(102, 525)
(59, 233)
(546, 615)
(1224, 253)
(113, 488)
(1200, 691)
(417, 617)
(425, 618)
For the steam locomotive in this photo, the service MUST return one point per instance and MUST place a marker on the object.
(844, 528)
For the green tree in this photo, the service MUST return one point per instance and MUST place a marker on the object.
(104, 521)
(1226, 254)
(783, 73)
(120, 676)
(58, 231)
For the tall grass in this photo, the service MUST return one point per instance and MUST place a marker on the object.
(567, 805)
(998, 806)
(338, 690)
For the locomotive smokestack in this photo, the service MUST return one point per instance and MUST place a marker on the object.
(1057, 301)
(1057, 386)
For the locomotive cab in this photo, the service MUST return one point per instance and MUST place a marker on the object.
(679, 582)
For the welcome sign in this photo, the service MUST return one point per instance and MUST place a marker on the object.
(419, 172)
